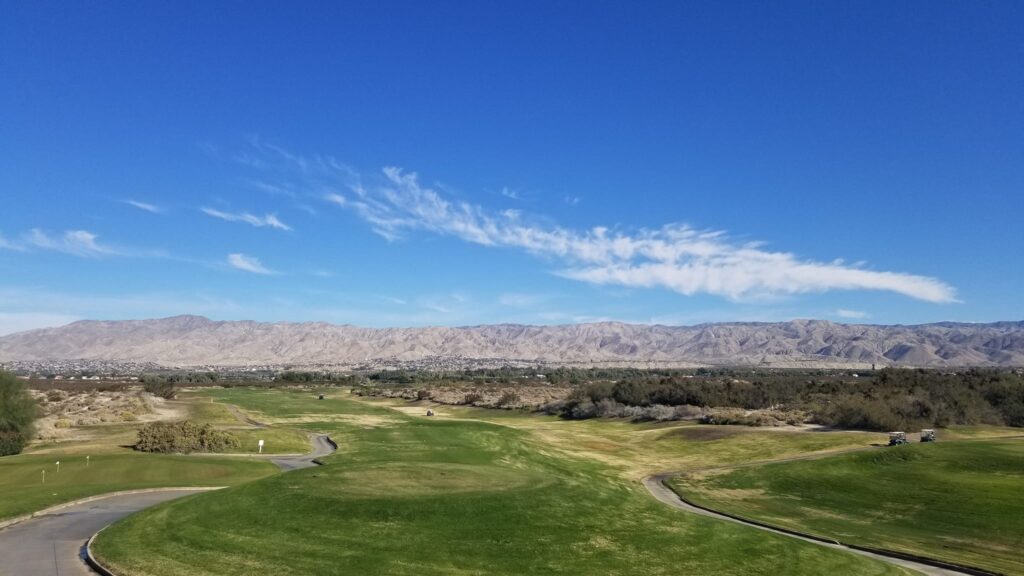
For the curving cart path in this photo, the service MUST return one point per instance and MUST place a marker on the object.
(53, 543)
(656, 486)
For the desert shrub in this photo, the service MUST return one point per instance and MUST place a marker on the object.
(508, 399)
(62, 423)
(160, 387)
(11, 442)
(128, 416)
(184, 437)
(472, 398)
(55, 396)
(423, 394)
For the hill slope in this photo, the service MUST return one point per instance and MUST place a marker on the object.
(195, 341)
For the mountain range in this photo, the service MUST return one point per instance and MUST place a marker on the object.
(197, 341)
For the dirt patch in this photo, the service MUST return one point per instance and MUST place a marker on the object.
(704, 433)
(73, 415)
(361, 420)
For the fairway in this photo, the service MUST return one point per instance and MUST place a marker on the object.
(958, 501)
(406, 494)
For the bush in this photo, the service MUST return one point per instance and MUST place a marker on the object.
(472, 398)
(184, 437)
(11, 443)
(62, 423)
(423, 394)
(160, 387)
(18, 412)
(508, 399)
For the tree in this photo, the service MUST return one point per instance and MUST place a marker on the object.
(159, 386)
(18, 412)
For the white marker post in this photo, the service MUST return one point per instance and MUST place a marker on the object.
(261, 446)
(86, 461)
(58, 465)
(44, 476)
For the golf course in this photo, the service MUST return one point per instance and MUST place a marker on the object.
(484, 491)
(468, 491)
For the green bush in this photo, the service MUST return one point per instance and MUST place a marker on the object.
(11, 443)
(184, 437)
(18, 413)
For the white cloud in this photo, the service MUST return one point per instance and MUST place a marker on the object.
(270, 220)
(852, 314)
(152, 208)
(675, 256)
(510, 193)
(248, 263)
(11, 322)
(75, 242)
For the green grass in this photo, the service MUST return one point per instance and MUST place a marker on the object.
(23, 491)
(429, 496)
(959, 501)
(209, 408)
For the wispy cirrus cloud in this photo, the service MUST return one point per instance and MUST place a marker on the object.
(81, 243)
(851, 314)
(144, 206)
(269, 220)
(75, 242)
(248, 264)
(675, 256)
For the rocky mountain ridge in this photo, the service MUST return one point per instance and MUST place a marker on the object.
(198, 341)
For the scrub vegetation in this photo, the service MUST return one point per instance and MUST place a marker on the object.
(883, 400)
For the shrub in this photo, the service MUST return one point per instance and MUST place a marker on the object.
(508, 399)
(472, 398)
(62, 423)
(184, 437)
(18, 413)
(11, 442)
(160, 387)
(54, 395)
(128, 416)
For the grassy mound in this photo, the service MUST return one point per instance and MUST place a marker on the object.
(959, 501)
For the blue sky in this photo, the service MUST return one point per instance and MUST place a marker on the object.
(393, 164)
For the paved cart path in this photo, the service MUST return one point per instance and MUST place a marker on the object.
(53, 544)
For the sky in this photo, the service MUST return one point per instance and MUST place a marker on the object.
(462, 163)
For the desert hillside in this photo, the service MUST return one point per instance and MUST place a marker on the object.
(196, 341)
